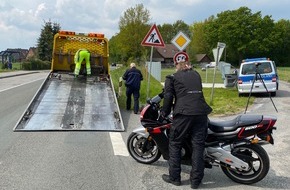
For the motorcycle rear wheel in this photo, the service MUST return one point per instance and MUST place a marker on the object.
(258, 161)
(144, 154)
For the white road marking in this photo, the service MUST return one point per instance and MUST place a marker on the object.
(118, 144)
(22, 84)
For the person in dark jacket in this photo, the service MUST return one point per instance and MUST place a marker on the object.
(190, 117)
(133, 78)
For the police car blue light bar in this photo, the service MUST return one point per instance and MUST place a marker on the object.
(255, 59)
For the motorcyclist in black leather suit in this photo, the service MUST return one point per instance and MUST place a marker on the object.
(183, 93)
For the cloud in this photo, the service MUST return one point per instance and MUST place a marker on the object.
(188, 2)
(21, 21)
(40, 9)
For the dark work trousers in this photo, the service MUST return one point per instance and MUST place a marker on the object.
(196, 126)
(136, 95)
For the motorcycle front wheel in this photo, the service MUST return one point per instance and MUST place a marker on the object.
(258, 161)
(143, 150)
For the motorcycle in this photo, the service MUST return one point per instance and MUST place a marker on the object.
(235, 145)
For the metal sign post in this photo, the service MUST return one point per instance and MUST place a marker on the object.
(149, 73)
(152, 38)
(220, 48)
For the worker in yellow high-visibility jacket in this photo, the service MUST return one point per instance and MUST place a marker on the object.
(82, 54)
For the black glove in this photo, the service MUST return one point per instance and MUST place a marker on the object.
(161, 95)
(161, 117)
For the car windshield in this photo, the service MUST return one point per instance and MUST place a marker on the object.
(262, 68)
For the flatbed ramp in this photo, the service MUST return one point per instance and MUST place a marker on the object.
(65, 103)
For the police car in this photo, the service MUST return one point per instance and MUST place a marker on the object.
(258, 75)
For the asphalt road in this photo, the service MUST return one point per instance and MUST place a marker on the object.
(99, 160)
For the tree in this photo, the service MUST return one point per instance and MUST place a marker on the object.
(198, 41)
(180, 25)
(244, 33)
(45, 41)
(169, 31)
(280, 53)
(115, 54)
(133, 27)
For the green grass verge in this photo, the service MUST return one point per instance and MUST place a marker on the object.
(206, 75)
(284, 73)
(155, 87)
(15, 66)
(225, 100)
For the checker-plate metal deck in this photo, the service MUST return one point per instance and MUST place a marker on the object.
(65, 103)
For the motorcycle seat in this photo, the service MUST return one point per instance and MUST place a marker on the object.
(231, 125)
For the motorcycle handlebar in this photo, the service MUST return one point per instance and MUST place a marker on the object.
(156, 99)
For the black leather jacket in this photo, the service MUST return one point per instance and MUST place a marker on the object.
(183, 92)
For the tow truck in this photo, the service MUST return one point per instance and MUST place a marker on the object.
(64, 102)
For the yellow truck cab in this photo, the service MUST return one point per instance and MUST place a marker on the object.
(258, 75)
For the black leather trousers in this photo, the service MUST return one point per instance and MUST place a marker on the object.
(196, 127)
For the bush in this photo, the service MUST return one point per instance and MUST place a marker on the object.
(3, 66)
(36, 64)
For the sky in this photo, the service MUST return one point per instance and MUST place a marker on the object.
(21, 21)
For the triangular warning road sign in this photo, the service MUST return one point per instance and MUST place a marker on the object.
(153, 38)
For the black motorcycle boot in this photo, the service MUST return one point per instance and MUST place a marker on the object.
(167, 179)
(194, 186)
(194, 183)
